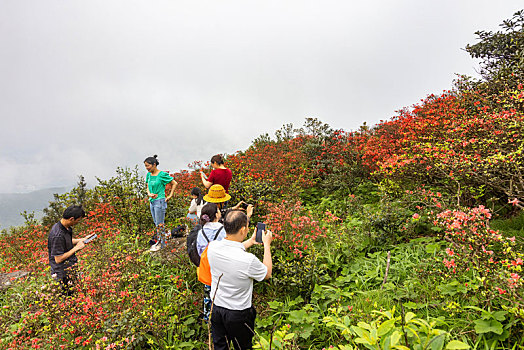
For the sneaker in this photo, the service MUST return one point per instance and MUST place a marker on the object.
(155, 247)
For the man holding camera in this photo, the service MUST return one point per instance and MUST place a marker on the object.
(232, 273)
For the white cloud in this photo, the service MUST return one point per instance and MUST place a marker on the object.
(89, 86)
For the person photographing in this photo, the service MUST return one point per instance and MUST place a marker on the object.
(220, 175)
(233, 270)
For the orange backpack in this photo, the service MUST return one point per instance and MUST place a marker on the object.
(204, 270)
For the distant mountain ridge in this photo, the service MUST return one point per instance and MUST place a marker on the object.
(12, 204)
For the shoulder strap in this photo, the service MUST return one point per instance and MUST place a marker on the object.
(216, 235)
(204, 234)
(220, 229)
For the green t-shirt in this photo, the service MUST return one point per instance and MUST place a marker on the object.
(157, 184)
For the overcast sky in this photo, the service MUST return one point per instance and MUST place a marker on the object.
(86, 86)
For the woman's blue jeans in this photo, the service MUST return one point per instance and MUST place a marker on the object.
(158, 212)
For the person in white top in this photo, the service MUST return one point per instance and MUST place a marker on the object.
(195, 208)
(232, 273)
(212, 230)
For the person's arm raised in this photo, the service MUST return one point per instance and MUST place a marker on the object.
(206, 183)
(249, 242)
(267, 237)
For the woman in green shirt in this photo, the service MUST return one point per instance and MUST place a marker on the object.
(157, 181)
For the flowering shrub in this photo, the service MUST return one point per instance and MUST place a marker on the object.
(464, 143)
(112, 306)
(294, 233)
(477, 251)
(266, 169)
(467, 143)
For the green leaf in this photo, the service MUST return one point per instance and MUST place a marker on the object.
(360, 332)
(364, 325)
(289, 336)
(306, 330)
(275, 304)
(385, 327)
(449, 289)
(362, 341)
(455, 344)
(437, 343)
(345, 347)
(433, 247)
(297, 316)
(395, 337)
(411, 305)
(499, 315)
(486, 326)
(409, 316)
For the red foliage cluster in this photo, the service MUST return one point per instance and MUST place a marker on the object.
(293, 230)
(474, 245)
(108, 290)
(455, 140)
(280, 163)
(476, 255)
(186, 180)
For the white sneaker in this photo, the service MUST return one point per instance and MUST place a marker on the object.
(155, 247)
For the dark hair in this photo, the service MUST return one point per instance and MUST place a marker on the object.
(197, 192)
(152, 160)
(74, 211)
(217, 158)
(234, 221)
(210, 211)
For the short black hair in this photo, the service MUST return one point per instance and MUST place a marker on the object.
(74, 211)
(234, 221)
(152, 160)
(217, 158)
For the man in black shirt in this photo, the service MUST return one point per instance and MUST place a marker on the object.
(62, 247)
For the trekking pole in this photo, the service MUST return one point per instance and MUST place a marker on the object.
(209, 340)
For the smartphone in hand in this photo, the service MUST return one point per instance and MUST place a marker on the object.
(260, 228)
(90, 238)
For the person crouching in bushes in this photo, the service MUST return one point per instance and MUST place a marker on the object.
(212, 230)
(218, 195)
(196, 205)
(157, 181)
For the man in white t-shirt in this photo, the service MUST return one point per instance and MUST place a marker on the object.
(232, 273)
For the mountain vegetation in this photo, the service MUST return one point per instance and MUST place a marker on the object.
(407, 234)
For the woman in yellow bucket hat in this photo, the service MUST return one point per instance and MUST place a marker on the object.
(213, 214)
(217, 194)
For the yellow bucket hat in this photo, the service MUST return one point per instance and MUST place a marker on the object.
(217, 194)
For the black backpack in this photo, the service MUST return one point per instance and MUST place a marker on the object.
(191, 243)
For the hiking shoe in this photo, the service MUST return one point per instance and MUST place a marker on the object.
(155, 247)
